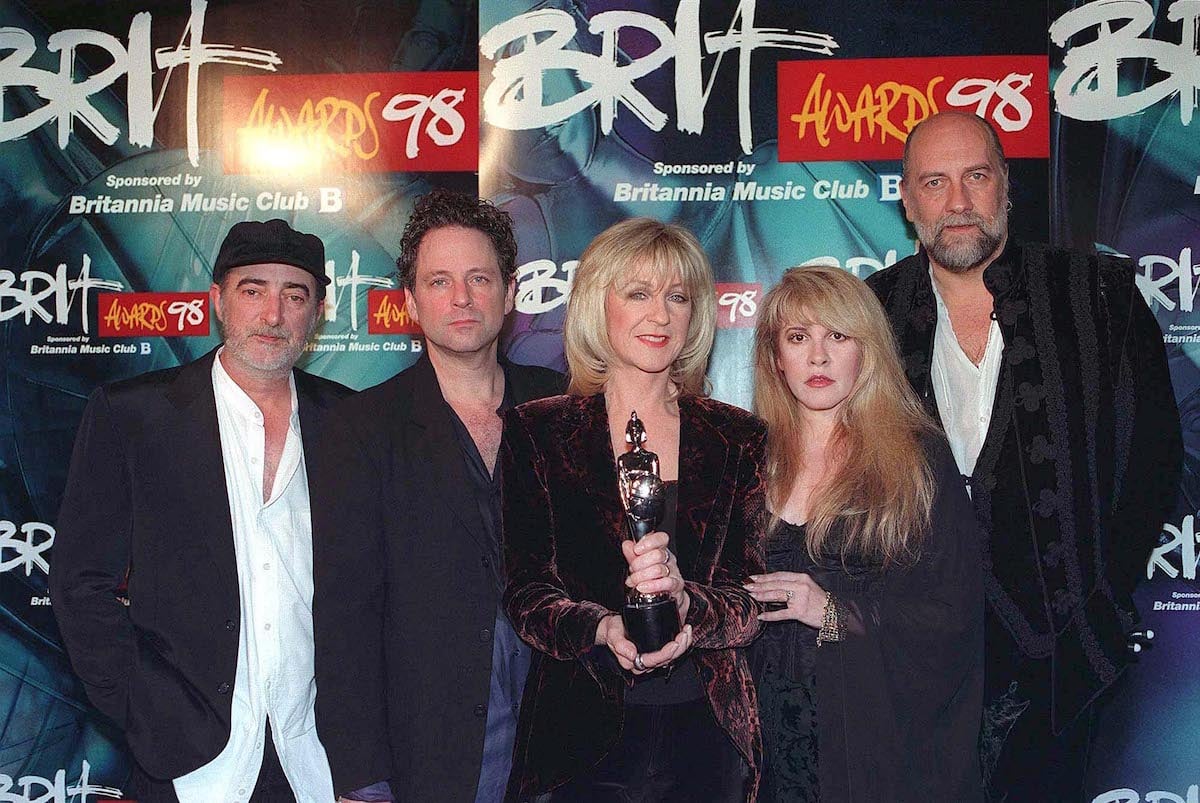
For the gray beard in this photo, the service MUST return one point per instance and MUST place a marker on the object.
(966, 254)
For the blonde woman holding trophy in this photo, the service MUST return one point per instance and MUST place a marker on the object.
(638, 691)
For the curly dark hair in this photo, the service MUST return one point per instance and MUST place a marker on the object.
(441, 208)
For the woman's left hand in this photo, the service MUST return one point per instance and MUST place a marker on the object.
(610, 632)
(803, 599)
(654, 570)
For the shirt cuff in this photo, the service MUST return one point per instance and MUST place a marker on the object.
(375, 793)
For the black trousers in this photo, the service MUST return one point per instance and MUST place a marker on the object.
(1023, 760)
(272, 785)
(667, 754)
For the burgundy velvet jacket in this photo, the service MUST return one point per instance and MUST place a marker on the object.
(563, 527)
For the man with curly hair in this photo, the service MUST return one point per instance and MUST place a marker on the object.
(419, 673)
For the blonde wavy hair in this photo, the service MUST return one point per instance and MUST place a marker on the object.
(638, 248)
(875, 503)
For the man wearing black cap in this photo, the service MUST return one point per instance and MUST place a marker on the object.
(191, 483)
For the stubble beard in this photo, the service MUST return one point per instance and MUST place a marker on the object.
(263, 360)
(450, 346)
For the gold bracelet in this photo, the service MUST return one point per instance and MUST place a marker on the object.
(831, 626)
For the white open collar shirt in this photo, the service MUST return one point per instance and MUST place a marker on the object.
(965, 392)
(274, 681)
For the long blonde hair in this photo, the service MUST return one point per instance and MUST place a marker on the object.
(875, 503)
(617, 255)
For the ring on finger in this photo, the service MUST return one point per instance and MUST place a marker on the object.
(788, 594)
(638, 664)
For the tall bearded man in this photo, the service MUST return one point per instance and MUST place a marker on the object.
(1048, 373)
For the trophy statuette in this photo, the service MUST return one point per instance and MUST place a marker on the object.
(651, 620)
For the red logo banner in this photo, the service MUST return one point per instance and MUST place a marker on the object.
(386, 314)
(861, 109)
(353, 122)
(158, 314)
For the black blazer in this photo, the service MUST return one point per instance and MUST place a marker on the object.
(146, 495)
(405, 597)
(563, 528)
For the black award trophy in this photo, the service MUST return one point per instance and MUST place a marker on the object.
(651, 620)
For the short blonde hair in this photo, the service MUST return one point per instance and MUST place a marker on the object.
(627, 249)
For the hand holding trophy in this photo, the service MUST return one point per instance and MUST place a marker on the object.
(651, 620)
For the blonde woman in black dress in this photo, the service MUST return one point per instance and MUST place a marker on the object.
(869, 674)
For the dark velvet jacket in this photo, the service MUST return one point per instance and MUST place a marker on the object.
(1081, 461)
(563, 527)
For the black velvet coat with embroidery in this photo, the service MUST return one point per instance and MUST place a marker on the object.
(1081, 461)
(563, 527)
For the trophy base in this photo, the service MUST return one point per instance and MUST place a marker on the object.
(651, 624)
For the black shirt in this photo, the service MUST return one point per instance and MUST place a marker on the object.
(681, 682)
(510, 656)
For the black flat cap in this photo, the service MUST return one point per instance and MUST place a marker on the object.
(254, 243)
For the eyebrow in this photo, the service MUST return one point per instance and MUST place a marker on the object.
(649, 285)
(465, 268)
(972, 169)
(263, 283)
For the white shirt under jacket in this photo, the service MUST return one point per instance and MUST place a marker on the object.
(965, 392)
(274, 681)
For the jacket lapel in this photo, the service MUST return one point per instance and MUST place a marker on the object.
(914, 318)
(601, 465)
(1001, 277)
(204, 491)
(703, 459)
(436, 441)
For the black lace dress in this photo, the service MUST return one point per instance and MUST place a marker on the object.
(783, 661)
